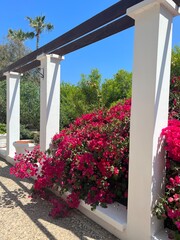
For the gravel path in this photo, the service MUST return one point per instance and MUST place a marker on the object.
(24, 219)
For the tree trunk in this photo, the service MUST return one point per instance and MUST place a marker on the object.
(37, 41)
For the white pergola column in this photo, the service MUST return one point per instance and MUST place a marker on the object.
(13, 111)
(149, 113)
(49, 98)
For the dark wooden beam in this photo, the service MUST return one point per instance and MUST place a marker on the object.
(93, 23)
(28, 66)
(77, 38)
(177, 2)
(110, 29)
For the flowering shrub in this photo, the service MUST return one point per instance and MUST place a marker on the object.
(168, 206)
(26, 165)
(90, 158)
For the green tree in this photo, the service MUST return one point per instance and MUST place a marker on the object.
(2, 101)
(174, 97)
(72, 104)
(30, 102)
(29, 87)
(90, 87)
(10, 52)
(116, 89)
(39, 26)
(175, 62)
(4, 56)
(80, 99)
(19, 35)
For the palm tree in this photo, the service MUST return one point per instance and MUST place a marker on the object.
(39, 26)
(19, 35)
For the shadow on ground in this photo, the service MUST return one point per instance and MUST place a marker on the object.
(11, 198)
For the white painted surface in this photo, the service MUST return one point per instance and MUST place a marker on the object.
(50, 98)
(3, 152)
(3, 140)
(113, 218)
(23, 146)
(13, 110)
(149, 113)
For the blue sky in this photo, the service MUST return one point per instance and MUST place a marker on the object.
(108, 56)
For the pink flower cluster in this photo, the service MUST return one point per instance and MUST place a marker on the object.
(168, 206)
(172, 136)
(26, 164)
(172, 194)
(90, 158)
(173, 200)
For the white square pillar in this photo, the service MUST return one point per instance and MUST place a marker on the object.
(149, 113)
(13, 111)
(49, 98)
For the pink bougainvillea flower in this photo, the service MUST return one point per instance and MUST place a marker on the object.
(170, 199)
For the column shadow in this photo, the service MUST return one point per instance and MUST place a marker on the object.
(38, 209)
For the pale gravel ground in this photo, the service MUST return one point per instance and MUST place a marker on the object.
(23, 219)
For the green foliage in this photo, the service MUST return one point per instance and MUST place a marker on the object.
(4, 56)
(90, 89)
(174, 98)
(19, 36)
(29, 87)
(30, 102)
(10, 52)
(80, 99)
(2, 128)
(71, 104)
(175, 62)
(3, 102)
(116, 89)
(89, 94)
(25, 133)
(36, 137)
